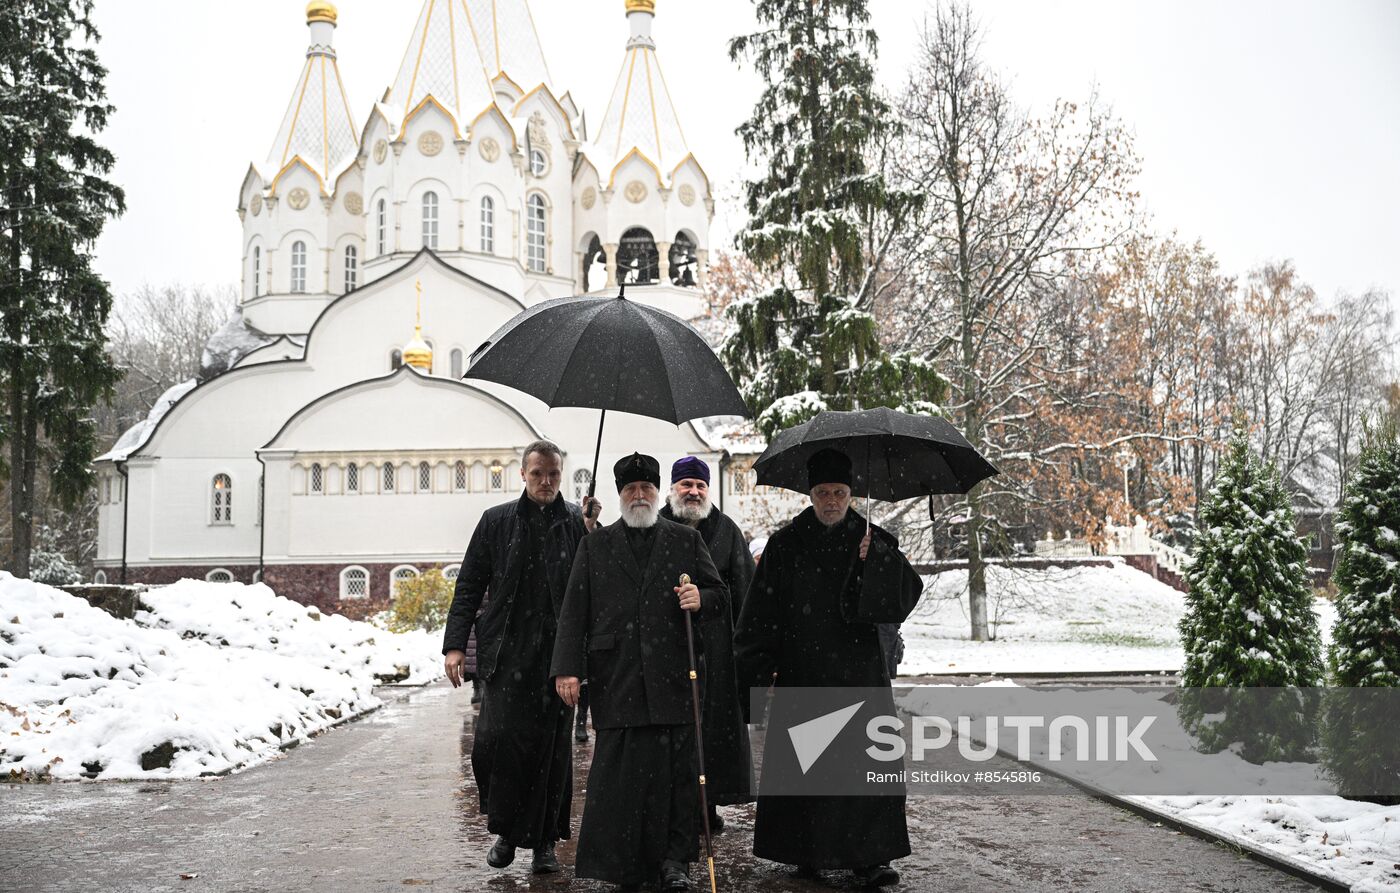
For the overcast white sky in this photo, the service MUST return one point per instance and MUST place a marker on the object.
(1268, 128)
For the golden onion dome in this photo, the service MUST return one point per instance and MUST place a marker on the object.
(641, 6)
(417, 353)
(320, 11)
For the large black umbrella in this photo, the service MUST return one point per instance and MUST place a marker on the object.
(894, 455)
(608, 354)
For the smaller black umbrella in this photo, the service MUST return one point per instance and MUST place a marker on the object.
(895, 455)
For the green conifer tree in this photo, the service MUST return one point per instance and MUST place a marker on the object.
(54, 201)
(1249, 621)
(1363, 755)
(812, 343)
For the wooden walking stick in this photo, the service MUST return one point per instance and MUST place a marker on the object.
(699, 740)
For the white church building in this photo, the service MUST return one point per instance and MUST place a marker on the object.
(331, 447)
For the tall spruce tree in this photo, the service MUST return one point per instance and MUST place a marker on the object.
(1249, 621)
(1362, 755)
(811, 343)
(54, 201)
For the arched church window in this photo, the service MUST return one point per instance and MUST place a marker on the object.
(221, 500)
(488, 225)
(352, 267)
(582, 478)
(318, 478)
(498, 476)
(219, 575)
(459, 476)
(456, 362)
(381, 227)
(539, 163)
(354, 582)
(400, 574)
(682, 261)
(535, 233)
(257, 270)
(595, 260)
(352, 478)
(636, 257)
(430, 220)
(388, 477)
(451, 571)
(298, 266)
(425, 478)
(395, 360)
(99, 578)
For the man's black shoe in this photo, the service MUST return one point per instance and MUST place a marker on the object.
(675, 875)
(501, 854)
(716, 822)
(876, 876)
(544, 861)
(581, 732)
(476, 691)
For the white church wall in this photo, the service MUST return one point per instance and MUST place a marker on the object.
(184, 525)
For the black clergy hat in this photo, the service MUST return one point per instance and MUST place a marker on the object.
(637, 467)
(828, 467)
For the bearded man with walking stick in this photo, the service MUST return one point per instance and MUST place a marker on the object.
(623, 628)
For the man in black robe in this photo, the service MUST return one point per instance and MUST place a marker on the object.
(623, 629)
(520, 554)
(810, 618)
(728, 762)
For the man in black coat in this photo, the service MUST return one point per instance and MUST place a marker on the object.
(825, 581)
(623, 629)
(728, 762)
(520, 555)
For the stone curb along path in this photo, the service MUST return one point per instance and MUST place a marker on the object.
(388, 802)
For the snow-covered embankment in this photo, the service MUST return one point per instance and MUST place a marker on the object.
(208, 678)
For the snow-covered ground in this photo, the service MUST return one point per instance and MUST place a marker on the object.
(209, 678)
(1073, 619)
(1355, 843)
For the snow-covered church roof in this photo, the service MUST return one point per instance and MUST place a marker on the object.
(640, 117)
(317, 129)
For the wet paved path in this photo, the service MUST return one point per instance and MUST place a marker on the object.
(387, 803)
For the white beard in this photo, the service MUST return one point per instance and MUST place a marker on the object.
(641, 516)
(685, 512)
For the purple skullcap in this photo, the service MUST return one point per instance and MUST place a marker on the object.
(690, 467)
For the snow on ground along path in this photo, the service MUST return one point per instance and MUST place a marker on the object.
(388, 802)
(1070, 619)
(1356, 843)
(208, 678)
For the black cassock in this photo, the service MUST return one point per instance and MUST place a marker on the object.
(810, 616)
(728, 760)
(521, 554)
(622, 629)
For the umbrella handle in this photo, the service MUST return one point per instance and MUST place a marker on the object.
(597, 450)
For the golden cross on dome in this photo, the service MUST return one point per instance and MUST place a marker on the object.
(418, 314)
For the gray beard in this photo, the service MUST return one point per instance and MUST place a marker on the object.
(645, 516)
(686, 512)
